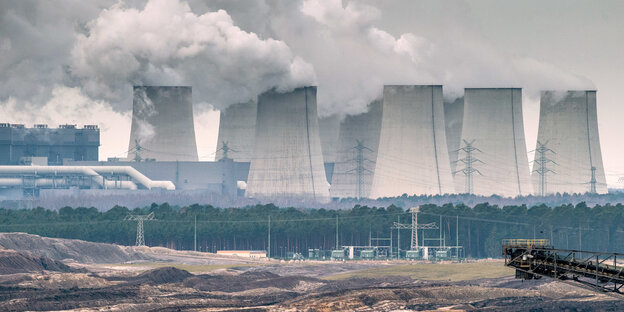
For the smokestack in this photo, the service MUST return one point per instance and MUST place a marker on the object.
(162, 124)
(287, 160)
(453, 120)
(237, 128)
(493, 124)
(329, 128)
(568, 126)
(413, 156)
(364, 128)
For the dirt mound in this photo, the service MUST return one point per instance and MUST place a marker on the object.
(246, 281)
(78, 250)
(12, 262)
(162, 276)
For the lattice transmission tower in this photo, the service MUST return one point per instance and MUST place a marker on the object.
(360, 169)
(469, 161)
(140, 239)
(414, 226)
(542, 162)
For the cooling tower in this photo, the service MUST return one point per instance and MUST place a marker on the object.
(493, 124)
(287, 159)
(329, 128)
(568, 127)
(453, 119)
(237, 129)
(162, 124)
(412, 157)
(364, 128)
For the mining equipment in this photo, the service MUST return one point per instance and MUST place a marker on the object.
(536, 258)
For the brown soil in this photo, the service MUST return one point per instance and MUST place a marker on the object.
(12, 262)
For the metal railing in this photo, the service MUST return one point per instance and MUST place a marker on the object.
(526, 242)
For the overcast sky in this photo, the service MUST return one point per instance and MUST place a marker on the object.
(73, 61)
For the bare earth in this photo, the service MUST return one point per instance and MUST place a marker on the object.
(54, 274)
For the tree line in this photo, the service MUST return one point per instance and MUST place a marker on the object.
(479, 229)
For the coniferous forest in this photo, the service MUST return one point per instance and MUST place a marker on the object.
(480, 228)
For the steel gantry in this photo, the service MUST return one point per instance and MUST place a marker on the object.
(535, 258)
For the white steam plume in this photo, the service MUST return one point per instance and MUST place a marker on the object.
(165, 43)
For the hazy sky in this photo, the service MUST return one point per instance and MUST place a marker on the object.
(73, 61)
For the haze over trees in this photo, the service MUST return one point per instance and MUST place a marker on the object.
(481, 228)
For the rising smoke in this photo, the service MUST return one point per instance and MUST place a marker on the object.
(230, 51)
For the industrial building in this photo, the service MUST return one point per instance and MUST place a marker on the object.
(237, 131)
(453, 120)
(493, 156)
(412, 157)
(19, 145)
(568, 157)
(411, 142)
(287, 159)
(358, 143)
(162, 124)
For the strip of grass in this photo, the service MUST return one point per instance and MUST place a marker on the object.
(433, 271)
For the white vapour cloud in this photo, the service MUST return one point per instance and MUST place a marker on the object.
(165, 43)
(92, 52)
(354, 57)
(70, 106)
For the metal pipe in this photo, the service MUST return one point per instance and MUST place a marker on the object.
(135, 175)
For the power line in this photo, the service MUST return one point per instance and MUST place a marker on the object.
(359, 169)
(542, 162)
(469, 162)
(140, 240)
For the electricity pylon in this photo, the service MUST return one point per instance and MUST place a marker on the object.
(140, 239)
(469, 162)
(360, 169)
(137, 151)
(414, 227)
(593, 182)
(225, 148)
(542, 162)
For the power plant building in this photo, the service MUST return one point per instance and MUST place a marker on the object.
(357, 147)
(50, 146)
(568, 130)
(237, 129)
(412, 157)
(453, 120)
(493, 126)
(287, 160)
(162, 124)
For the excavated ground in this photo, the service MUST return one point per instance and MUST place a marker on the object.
(158, 279)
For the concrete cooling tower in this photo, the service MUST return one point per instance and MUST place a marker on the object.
(453, 119)
(493, 125)
(287, 160)
(413, 155)
(329, 128)
(568, 129)
(348, 181)
(237, 129)
(162, 124)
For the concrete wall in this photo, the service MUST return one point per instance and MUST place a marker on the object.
(288, 161)
(493, 119)
(329, 129)
(453, 119)
(238, 128)
(365, 128)
(162, 123)
(413, 155)
(569, 127)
